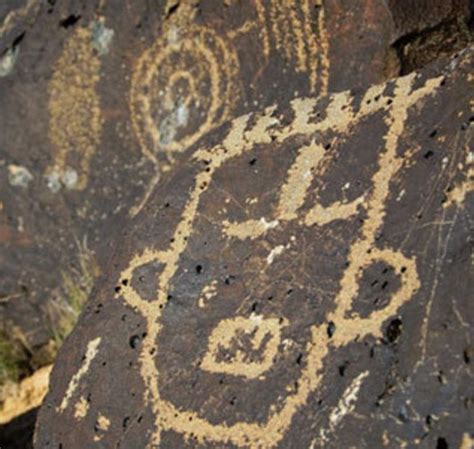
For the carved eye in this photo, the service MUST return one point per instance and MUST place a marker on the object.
(243, 346)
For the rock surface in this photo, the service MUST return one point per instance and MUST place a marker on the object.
(99, 98)
(299, 280)
(18, 433)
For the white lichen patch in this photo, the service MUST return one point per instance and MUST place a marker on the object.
(470, 158)
(347, 402)
(56, 180)
(173, 35)
(182, 115)
(70, 178)
(274, 252)
(8, 60)
(176, 118)
(19, 176)
(101, 36)
(401, 195)
(257, 319)
(269, 224)
(251, 201)
(53, 181)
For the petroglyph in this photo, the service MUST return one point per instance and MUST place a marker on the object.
(346, 404)
(81, 408)
(467, 442)
(13, 17)
(208, 293)
(311, 161)
(298, 32)
(344, 407)
(91, 353)
(75, 119)
(103, 423)
(183, 86)
(226, 354)
(247, 278)
(458, 194)
(186, 83)
(101, 426)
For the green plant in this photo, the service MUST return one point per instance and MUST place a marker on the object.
(77, 285)
(11, 360)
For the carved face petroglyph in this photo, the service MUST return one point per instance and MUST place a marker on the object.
(230, 252)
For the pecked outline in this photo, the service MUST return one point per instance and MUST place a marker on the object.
(239, 140)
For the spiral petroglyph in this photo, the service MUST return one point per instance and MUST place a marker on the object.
(182, 87)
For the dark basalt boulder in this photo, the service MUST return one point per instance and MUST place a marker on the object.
(300, 280)
(100, 98)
